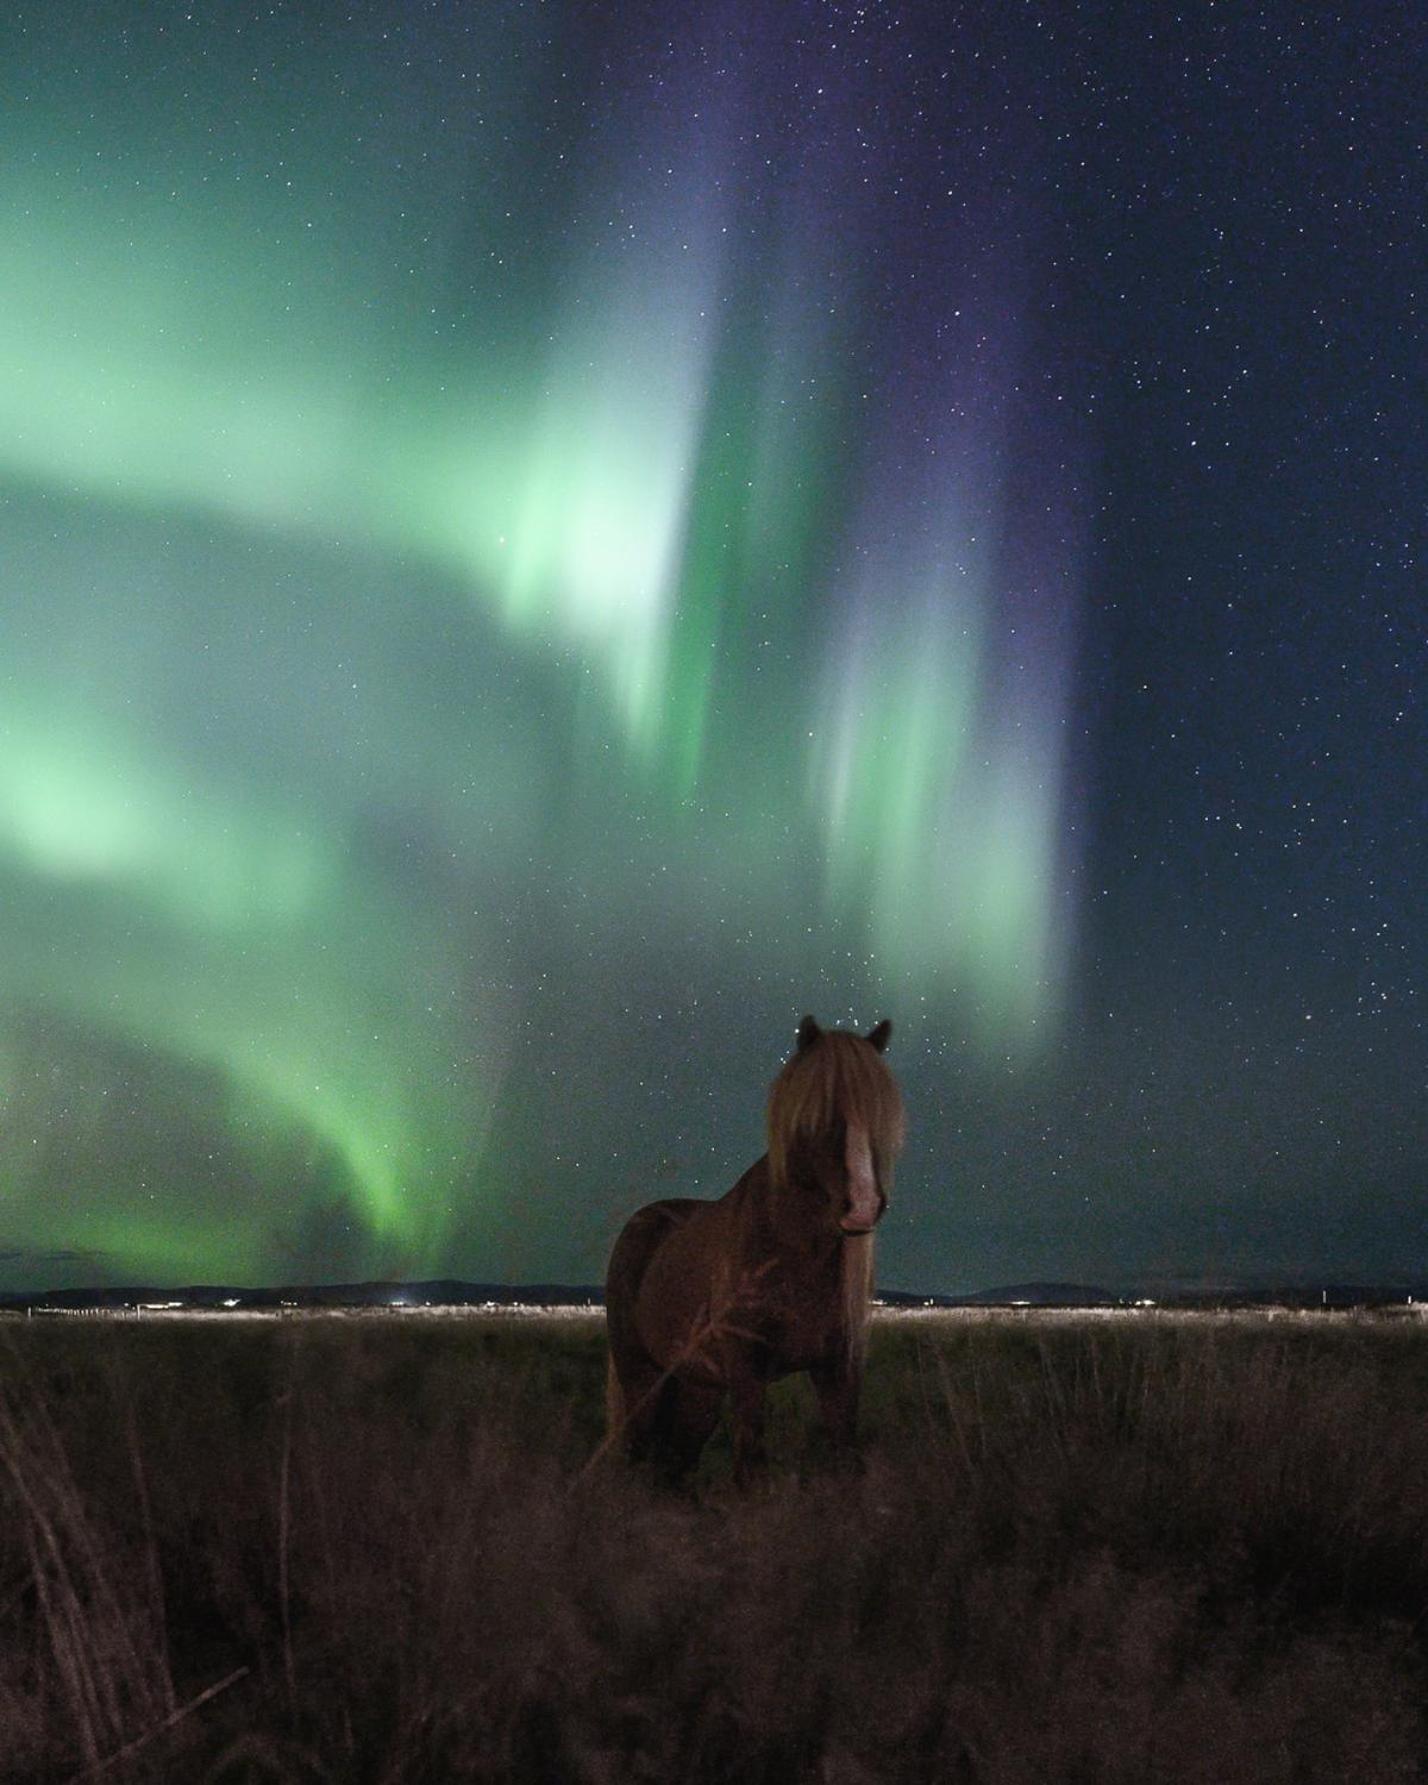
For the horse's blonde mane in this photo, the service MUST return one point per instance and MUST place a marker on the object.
(856, 1293)
(839, 1078)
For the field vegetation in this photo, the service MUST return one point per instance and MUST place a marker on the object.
(375, 1549)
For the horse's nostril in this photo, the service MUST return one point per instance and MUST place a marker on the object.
(859, 1219)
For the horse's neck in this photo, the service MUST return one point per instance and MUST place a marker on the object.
(779, 1217)
(747, 1203)
(751, 1190)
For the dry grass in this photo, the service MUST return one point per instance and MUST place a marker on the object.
(370, 1551)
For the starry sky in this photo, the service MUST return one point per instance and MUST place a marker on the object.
(540, 541)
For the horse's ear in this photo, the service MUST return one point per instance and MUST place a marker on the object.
(808, 1033)
(881, 1035)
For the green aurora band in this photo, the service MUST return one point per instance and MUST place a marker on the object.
(309, 605)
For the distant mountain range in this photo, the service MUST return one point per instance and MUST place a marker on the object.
(447, 1293)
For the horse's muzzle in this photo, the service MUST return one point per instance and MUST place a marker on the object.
(851, 1227)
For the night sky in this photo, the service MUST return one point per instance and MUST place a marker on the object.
(539, 542)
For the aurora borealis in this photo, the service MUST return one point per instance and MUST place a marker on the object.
(538, 545)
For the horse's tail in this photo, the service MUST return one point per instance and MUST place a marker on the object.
(857, 1293)
(614, 1404)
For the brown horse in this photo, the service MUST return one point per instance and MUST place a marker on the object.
(707, 1299)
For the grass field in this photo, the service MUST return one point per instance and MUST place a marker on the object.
(1152, 1548)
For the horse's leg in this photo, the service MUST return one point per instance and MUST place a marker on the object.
(837, 1382)
(643, 1391)
(750, 1458)
(690, 1416)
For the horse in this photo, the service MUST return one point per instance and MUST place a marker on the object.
(708, 1299)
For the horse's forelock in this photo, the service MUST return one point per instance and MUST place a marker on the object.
(840, 1078)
